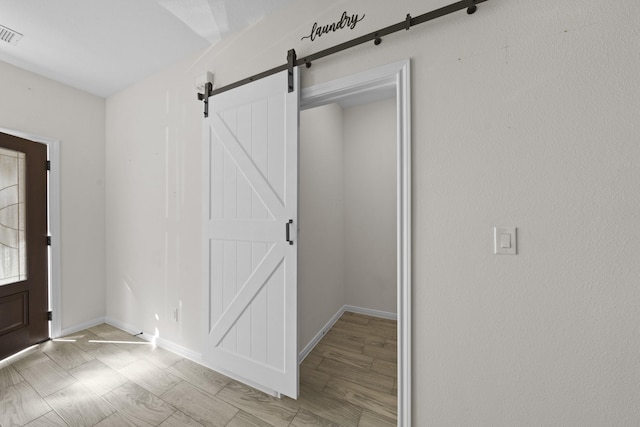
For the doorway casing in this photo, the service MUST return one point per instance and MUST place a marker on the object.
(367, 86)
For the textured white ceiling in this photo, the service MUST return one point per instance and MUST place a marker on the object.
(103, 46)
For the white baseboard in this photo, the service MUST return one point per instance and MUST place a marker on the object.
(159, 341)
(197, 357)
(181, 351)
(130, 329)
(240, 378)
(316, 339)
(351, 308)
(371, 312)
(85, 325)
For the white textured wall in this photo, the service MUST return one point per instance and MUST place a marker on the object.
(523, 114)
(39, 106)
(370, 208)
(321, 269)
(153, 206)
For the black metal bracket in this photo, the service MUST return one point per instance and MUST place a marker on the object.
(407, 22)
(208, 92)
(291, 63)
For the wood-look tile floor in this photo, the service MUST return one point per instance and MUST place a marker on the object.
(105, 377)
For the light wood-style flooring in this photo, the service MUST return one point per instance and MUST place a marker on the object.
(105, 377)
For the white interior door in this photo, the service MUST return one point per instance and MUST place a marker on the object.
(250, 209)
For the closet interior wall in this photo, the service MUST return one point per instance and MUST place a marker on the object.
(347, 221)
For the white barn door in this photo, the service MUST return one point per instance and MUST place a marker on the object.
(250, 210)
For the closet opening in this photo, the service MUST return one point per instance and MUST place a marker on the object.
(353, 281)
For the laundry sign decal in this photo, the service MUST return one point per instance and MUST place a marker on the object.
(346, 21)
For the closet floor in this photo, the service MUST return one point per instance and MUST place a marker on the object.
(105, 377)
(351, 375)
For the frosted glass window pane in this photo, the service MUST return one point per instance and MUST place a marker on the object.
(13, 248)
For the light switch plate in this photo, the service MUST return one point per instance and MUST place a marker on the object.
(504, 240)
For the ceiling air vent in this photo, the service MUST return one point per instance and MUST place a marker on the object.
(8, 35)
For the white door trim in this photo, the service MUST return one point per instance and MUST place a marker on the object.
(396, 77)
(53, 148)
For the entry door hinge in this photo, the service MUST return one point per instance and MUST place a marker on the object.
(48, 165)
(48, 240)
(49, 315)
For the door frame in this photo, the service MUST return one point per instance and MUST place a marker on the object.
(53, 200)
(369, 85)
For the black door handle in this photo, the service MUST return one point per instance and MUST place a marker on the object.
(287, 232)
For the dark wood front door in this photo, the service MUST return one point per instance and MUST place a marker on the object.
(23, 244)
